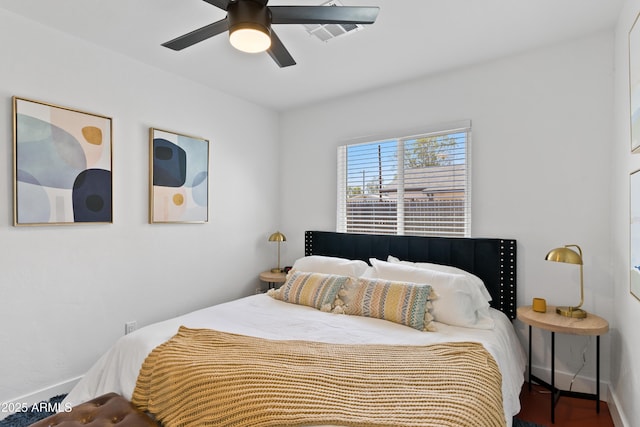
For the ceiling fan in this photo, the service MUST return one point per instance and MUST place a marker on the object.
(249, 25)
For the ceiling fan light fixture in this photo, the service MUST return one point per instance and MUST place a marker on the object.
(250, 38)
(249, 26)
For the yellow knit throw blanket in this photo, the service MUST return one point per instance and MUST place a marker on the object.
(202, 377)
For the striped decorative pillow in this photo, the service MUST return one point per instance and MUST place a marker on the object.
(400, 302)
(313, 289)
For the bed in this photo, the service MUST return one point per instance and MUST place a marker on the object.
(270, 324)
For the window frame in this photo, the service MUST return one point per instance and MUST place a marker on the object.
(463, 126)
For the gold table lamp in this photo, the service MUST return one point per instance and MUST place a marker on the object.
(569, 256)
(277, 237)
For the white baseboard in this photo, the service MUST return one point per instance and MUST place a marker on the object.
(30, 399)
(619, 420)
(580, 384)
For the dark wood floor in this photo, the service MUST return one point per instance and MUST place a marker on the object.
(570, 412)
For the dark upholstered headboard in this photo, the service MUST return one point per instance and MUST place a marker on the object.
(492, 260)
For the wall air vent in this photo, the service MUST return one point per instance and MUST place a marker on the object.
(326, 32)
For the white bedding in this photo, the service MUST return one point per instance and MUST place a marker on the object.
(262, 316)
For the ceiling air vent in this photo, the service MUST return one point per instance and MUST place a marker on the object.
(326, 32)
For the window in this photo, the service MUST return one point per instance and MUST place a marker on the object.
(414, 185)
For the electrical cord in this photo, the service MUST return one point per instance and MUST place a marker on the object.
(584, 362)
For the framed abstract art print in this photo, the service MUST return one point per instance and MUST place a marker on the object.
(179, 181)
(62, 165)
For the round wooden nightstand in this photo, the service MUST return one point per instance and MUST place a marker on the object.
(273, 280)
(551, 321)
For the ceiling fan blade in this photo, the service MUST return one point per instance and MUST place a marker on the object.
(279, 53)
(222, 4)
(323, 14)
(198, 35)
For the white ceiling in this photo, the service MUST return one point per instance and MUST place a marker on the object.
(411, 38)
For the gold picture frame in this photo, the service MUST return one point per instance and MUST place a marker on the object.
(179, 178)
(62, 165)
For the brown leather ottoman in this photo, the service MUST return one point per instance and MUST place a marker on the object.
(107, 410)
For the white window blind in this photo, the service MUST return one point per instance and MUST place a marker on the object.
(415, 185)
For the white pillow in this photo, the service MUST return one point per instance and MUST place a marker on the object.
(330, 265)
(446, 269)
(368, 273)
(458, 301)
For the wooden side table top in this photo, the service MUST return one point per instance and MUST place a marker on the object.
(269, 277)
(554, 322)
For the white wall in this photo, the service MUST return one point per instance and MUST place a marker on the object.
(625, 370)
(542, 126)
(545, 171)
(66, 291)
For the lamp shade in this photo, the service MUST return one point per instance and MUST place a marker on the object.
(277, 237)
(564, 255)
